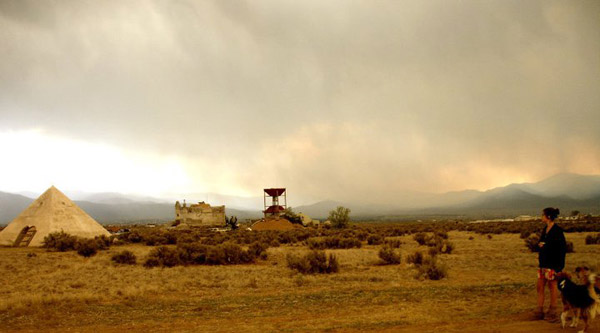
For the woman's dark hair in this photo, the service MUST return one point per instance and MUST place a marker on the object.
(551, 213)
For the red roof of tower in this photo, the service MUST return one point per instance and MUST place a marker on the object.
(275, 192)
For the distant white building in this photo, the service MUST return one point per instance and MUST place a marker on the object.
(524, 218)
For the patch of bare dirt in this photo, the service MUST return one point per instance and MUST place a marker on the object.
(274, 224)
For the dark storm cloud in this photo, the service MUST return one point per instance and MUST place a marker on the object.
(348, 96)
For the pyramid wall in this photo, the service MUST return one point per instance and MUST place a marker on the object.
(52, 212)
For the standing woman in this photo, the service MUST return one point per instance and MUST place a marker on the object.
(552, 251)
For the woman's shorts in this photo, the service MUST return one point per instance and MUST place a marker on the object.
(546, 273)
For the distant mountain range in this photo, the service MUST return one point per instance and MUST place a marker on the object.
(112, 208)
(567, 191)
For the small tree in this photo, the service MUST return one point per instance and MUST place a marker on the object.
(340, 217)
(231, 222)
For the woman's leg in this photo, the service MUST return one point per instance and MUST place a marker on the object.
(551, 315)
(552, 285)
(539, 312)
(541, 282)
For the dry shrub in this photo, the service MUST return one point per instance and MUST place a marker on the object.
(447, 247)
(162, 256)
(228, 254)
(202, 254)
(153, 237)
(103, 242)
(416, 258)
(258, 249)
(333, 266)
(160, 238)
(59, 241)
(193, 253)
(316, 244)
(428, 267)
(394, 243)
(313, 262)
(532, 242)
(440, 245)
(214, 239)
(389, 255)
(525, 233)
(421, 238)
(438, 242)
(87, 247)
(131, 237)
(592, 239)
(333, 242)
(347, 243)
(124, 257)
(570, 247)
(187, 238)
(287, 238)
(431, 269)
(362, 235)
(375, 240)
(433, 251)
(62, 241)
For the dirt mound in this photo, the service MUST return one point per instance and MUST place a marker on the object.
(274, 224)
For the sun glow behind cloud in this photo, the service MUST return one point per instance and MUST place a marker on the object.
(36, 160)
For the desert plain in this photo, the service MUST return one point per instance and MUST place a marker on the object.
(489, 287)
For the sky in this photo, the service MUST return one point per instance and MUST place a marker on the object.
(340, 100)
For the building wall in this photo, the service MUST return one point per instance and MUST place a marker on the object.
(200, 214)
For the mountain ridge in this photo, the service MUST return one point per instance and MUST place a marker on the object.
(566, 191)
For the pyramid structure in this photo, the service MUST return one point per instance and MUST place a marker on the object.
(51, 212)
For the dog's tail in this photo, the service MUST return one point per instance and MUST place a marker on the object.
(591, 283)
(595, 309)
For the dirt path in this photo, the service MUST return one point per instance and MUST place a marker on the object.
(516, 324)
(497, 326)
(513, 325)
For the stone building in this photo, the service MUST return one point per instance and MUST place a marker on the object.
(200, 214)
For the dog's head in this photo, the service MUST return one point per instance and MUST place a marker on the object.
(583, 273)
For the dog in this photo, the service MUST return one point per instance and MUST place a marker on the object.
(583, 273)
(581, 300)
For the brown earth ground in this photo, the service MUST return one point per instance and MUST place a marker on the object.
(274, 224)
(490, 288)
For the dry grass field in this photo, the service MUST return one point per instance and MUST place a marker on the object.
(489, 288)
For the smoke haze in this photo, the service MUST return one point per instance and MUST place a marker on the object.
(346, 100)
